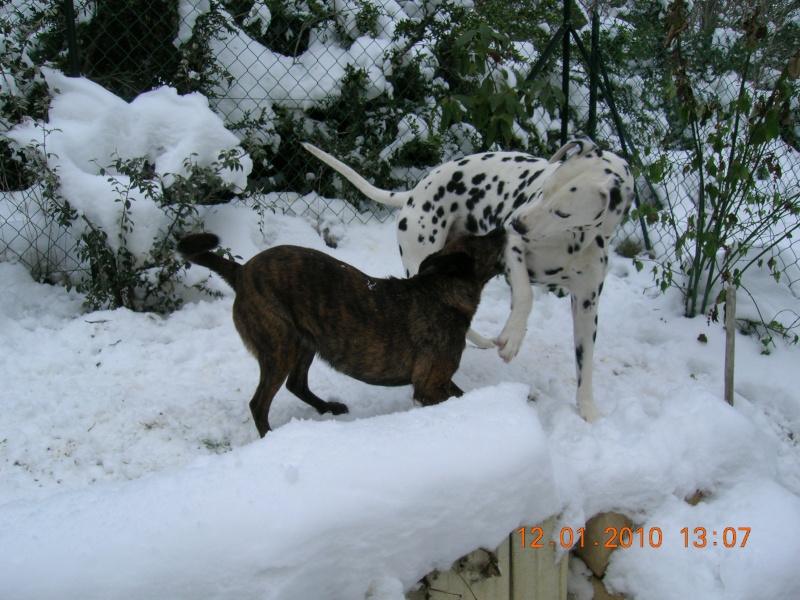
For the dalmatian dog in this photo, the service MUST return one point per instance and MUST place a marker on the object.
(559, 215)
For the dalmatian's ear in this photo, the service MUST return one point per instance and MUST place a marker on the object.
(457, 264)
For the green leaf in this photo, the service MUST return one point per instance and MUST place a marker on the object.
(465, 38)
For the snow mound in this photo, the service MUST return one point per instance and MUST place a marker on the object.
(315, 510)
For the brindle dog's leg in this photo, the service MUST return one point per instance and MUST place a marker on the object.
(297, 383)
(273, 374)
(434, 386)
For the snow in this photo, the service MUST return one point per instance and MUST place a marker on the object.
(130, 466)
(278, 515)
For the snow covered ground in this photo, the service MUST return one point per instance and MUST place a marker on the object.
(130, 467)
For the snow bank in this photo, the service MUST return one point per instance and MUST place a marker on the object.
(315, 510)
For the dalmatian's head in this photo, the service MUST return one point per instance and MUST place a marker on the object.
(589, 190)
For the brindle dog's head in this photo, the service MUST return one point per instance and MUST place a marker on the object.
(476, 257)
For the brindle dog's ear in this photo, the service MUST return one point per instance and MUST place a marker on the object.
(459, 264)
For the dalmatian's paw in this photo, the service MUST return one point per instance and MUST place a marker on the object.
(509, 343)
(590, 414)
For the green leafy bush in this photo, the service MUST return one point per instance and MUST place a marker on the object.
(117, 276)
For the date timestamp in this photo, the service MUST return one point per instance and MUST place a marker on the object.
(625, 537)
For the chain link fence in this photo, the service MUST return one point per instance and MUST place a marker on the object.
(396, 88)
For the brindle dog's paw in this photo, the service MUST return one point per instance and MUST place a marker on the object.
(337, 408)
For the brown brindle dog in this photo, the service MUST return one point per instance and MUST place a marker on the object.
(293, 303)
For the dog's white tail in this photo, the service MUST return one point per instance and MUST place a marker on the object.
(387, 197)
(585, 145)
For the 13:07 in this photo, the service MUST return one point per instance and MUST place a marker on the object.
(700, 537)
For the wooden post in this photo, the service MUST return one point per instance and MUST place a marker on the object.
(730, 340)
(511, 572)
(539, 573)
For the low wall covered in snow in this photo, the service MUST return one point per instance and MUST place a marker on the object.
(315, 510)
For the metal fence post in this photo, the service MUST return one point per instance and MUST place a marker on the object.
(72, 38)
(593, 67)
(565, 72)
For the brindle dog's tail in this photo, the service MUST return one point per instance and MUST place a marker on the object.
(196, 248)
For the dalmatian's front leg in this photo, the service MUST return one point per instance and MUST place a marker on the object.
(510, 339)
(584, 324)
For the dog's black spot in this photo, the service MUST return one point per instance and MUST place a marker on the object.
(401, 250)
(500, 187)
(499, 209)
(506, 159)
(432, 238)
(615, 198)
(524, 174)
(487, 213)
(573, 189)
(454, 207)
(475, 196)
(519, 226)
(427, 207)
(586, 304)
(488, 156)
(403, 224)
(531, 274)
(478, 178)
(600, 288)
(410, 201)
(439, 194)
(519, 200)
(535, 176)
(472, 224)
(563, 215)
(456, 185)
(421, 239)
(600, 241)
(434, 219)
(463, 162)
(579, 355)
(516, 249)
(520, 158)
(440, 212)
(553, 271)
